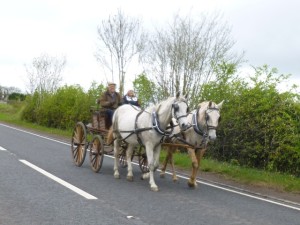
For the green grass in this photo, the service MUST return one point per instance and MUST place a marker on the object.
(11, 113)
(283, 182)
(244, 175)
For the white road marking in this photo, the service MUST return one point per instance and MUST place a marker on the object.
(2, 149)
(236, 192)
(58, 180)
(186, 178)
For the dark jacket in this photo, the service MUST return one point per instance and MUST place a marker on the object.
(110, 102)
(131, 100)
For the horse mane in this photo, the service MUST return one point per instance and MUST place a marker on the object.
(157, 106)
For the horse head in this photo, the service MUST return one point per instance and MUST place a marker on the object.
(180, 111)
(209, 118)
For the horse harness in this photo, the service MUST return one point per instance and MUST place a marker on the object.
(155, 125)
(197, 128)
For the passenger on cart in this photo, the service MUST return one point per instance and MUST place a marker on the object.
(110, 100)
(131, 99)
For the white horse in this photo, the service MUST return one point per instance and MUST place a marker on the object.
(147, 128)
(204, 121)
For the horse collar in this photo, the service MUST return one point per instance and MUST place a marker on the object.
(156, 125)
(196, 125)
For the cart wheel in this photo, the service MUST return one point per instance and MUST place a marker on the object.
(143, 161)
(96, 153)
(122, 157)
(78, 144)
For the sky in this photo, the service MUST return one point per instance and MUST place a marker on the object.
(266, 30)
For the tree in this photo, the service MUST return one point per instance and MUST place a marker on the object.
(120, 39)
(183, 56)
(146, 90)
(45, 73)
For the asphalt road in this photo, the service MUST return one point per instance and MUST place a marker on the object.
(39, 184)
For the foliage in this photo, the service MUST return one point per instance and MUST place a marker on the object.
(145, 90)
(16, 96)
(260, 125)
(63, 108)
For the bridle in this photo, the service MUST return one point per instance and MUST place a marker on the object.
(175, 108)
(156, 124)
(197, 126)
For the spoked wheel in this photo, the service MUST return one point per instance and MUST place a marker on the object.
(78, 144)
(143, 161)
(96, 153)
(122, 157)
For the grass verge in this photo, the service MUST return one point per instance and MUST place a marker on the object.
(244, 175)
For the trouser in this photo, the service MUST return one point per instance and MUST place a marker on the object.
(109, 114)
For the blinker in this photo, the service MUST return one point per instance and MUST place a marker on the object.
(175, 106)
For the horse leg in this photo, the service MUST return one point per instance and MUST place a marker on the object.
(169, 158)
(129, 152)
(174, 177)
(164, 165)
(199, 156)
(116, 159)
(151, 164)
(192, 181)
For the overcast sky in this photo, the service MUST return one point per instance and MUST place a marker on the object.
(267, 30)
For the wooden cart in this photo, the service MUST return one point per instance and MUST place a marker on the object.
(92, 138)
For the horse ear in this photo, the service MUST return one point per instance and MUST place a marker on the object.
(220, 104)
(178, 94)
(186, 96)
(209, 104)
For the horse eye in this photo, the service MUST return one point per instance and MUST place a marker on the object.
(188, 109)
(207, 117)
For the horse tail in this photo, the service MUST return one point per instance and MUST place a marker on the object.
(114, 126)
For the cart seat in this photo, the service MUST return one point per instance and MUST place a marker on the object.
(99, 119)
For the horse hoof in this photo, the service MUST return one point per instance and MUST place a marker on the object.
(175, 180)
(154, 189)
(162, 175)
(191, 184)
(130, 178)
(117, 176)
(145, 176)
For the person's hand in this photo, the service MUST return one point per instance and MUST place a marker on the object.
(111, 102)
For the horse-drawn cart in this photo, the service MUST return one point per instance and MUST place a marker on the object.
(92, 138)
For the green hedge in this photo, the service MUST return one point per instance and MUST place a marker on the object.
(63, 108)
(260, 125)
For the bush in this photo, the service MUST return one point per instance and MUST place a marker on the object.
(63, 108)
(260, 125)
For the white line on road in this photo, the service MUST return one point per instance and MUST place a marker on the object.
(58, 180)
(234, 191)
(2, 149)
